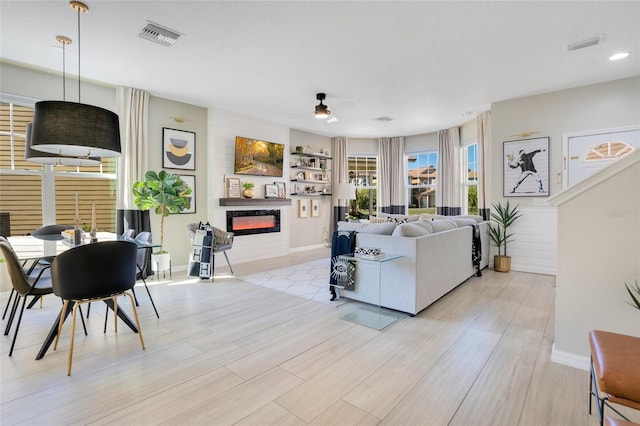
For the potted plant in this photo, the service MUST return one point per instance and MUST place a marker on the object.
(504, 217)
(634, 298)
(248, 190)
(166, 193)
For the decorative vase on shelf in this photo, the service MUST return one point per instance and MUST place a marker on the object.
(247, 193)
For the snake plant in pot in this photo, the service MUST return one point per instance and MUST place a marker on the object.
(166, 193)
(502, 217)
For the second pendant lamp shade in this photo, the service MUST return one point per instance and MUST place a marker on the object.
(56, 160)
(75, 129)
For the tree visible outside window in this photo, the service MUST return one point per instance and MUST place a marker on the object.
(471, 185)
(30, 192)
(363, 173)
(422, 182)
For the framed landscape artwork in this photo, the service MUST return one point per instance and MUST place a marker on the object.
(526, 168)
(178, 149)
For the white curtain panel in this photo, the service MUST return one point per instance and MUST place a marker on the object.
(392, 175)
(483, 123)
(339, 174)
(449, 179)
(132, 107)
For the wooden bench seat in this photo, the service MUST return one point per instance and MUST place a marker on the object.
(615, 371)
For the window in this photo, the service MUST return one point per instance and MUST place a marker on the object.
(421, 182)
(363, 173)
(34, 194)
(470, 186)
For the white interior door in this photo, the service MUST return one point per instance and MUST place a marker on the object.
(584, 153)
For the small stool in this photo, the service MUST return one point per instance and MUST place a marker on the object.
(615, 376)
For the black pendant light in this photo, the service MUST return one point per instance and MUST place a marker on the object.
(75, 129)
(40, 157)
(322, 111)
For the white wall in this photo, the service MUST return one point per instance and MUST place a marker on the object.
(309, 232)
(223, 129)
(598, 251)
(599, 106)
(161, 112)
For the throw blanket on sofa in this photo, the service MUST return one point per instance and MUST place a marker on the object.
(476, 249)
(342, 275)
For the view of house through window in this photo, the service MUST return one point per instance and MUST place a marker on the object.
(421, 182)
(363, 174)
(31, 193)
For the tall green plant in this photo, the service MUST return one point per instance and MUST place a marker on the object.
(636, 299)
(504, 217)
(165, 192)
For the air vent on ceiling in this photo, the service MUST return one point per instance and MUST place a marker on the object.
(159, 34)
(593, 41)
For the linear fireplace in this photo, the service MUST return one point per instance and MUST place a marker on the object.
(247, 222)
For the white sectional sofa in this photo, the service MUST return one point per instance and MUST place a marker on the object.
(433, 262)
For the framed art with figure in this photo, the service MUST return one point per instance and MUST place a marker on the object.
(526, 168)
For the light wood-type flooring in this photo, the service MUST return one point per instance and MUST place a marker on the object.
(232, 353)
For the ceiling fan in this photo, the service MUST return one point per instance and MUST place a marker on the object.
(323, 112)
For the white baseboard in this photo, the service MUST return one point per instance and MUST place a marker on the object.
(533, 269)
(306, 248)
(572, 360)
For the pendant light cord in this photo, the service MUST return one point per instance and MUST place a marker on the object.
(79, 101)
(64, 73)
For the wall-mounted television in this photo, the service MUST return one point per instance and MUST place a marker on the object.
(258, 158)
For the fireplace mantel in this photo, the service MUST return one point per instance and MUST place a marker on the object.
(255, 202)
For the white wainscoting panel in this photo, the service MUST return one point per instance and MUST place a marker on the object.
(535, 244)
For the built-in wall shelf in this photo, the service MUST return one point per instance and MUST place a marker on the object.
(255, 202)
(311, 155)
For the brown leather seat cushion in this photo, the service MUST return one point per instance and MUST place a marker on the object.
(616, 361)
(608, 421)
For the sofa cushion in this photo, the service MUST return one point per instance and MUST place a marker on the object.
(477, 218)
(464, 221)
(427, 216)
(443, 225)
(410, 230)
(398, 218)
(368, 228)
(424, 224)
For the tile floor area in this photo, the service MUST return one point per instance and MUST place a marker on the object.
(309, 280)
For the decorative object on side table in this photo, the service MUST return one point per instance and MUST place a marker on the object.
(504, 217)
(248, 190)
(166, 193)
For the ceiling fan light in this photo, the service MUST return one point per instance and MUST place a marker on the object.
(322, 111)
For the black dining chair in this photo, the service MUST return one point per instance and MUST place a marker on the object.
(102, 271)
(23, 286)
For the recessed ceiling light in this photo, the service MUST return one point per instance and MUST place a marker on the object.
(618, 56)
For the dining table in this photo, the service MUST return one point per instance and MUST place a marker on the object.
(30, 249)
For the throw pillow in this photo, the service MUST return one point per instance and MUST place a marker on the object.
(409, 230)
(443, 225)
